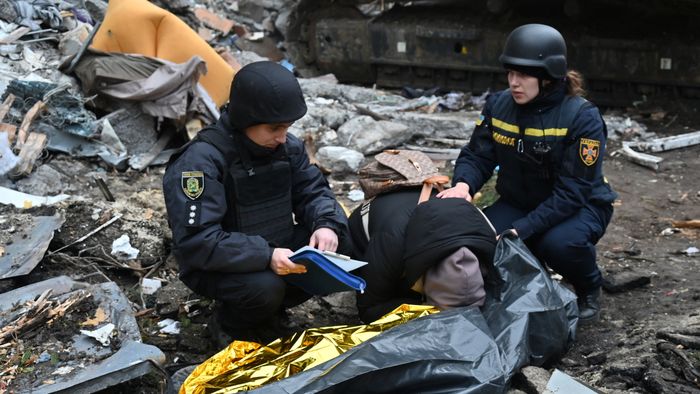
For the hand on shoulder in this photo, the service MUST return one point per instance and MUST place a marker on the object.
(460, 190)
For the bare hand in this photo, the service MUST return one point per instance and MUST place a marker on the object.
(460, 190)
(281, 265)
(324, 239)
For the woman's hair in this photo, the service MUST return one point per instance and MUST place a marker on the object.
(574, 83)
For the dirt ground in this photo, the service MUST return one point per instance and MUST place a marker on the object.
(624, 352)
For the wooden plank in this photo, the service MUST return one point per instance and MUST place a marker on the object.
(14, 35)
(5, 107)
(26, 122)
(687, 223)
(31, 150)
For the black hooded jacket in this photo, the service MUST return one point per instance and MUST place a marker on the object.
(405, 240)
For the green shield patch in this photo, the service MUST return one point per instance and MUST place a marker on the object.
(193, 184)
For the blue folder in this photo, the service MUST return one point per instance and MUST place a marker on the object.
(325, 273)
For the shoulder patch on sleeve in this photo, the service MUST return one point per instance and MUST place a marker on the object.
(192, 183)
(589, 150)
(480, 120)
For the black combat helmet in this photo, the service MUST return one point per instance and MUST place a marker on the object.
(533, 47)
(264, 92)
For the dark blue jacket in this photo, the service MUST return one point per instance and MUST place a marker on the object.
(549, 154)
(203, 242)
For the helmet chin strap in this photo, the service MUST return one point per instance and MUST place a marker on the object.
(541, 85)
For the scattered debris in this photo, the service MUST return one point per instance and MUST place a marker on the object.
(356, 195)
(563, 383)
(631, 149)
(691, 251)
(44, 317)
(150, 286)
(169, 326)
(625, 281)
(102, 334)
(670, 231)
(122, 249)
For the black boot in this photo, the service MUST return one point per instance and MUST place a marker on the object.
(589, 305)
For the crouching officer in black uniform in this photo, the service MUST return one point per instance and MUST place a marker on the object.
(230, 195)
(549, 143)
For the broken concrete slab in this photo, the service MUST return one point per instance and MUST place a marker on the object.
(328, 88)
(143, 160)
(364, 134)
(340, 160)
(45, 178)
(534, 379)
(333, 116)
(25, 240)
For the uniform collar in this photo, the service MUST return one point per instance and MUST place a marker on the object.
(548, 98)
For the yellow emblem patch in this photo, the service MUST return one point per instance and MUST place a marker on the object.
(589, 150)
(192, 183)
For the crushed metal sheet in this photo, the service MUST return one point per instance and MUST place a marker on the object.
(131, 360)
(29, 243)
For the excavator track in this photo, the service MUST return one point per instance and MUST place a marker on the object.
(628, 53)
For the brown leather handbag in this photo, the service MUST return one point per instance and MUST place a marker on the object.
(396, 169)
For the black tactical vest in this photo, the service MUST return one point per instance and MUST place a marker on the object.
(259, 197)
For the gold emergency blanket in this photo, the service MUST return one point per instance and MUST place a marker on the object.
(248, 365)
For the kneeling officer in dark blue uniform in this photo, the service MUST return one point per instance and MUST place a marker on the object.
(233, 195)
(549, 143)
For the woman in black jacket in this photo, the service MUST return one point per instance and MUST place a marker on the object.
(402, 241)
